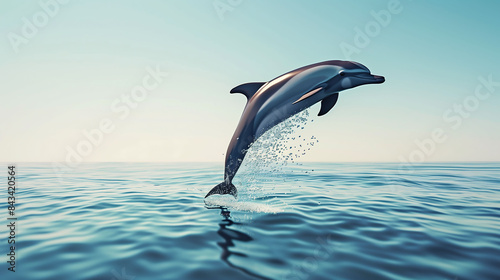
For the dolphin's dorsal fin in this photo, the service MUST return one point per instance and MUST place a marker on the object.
(328, 103)
(248, 89)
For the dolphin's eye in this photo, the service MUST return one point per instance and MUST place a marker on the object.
(342, 73)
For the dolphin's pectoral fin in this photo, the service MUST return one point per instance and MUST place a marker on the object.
(248, 89)
(328, 103)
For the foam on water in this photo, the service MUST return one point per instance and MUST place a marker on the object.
(232, 203)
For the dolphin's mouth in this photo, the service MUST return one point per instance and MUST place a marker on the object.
(370, 79)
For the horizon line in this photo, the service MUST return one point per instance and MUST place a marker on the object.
(62, 162)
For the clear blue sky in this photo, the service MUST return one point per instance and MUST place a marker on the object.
(62, 78)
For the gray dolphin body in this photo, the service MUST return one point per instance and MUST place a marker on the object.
(269, 103)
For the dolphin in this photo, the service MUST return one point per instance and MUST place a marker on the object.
(269, 103)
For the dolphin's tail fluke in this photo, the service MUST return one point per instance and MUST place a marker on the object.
(223, 188)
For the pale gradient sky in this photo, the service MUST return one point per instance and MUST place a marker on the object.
(67, 75)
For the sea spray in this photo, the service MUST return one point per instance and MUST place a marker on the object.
(265, 164)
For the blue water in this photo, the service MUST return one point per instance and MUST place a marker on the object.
(313, 221)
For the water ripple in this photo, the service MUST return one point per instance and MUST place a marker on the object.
(340, 221)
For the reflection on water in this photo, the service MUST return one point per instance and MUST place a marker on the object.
(229, 235)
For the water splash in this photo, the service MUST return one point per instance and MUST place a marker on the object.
(266, 161)
(247, 206)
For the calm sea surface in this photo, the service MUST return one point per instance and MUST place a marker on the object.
(118, 221)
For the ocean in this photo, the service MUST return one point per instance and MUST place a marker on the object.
(119, 221)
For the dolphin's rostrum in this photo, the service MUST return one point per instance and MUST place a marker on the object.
(269, 103)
